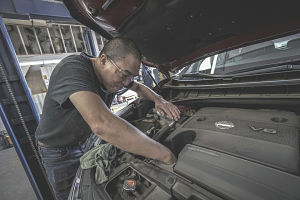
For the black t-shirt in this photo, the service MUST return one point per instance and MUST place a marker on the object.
(61, 124)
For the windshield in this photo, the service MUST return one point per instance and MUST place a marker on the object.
(278, 51)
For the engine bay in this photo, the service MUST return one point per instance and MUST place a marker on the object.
(223, 153)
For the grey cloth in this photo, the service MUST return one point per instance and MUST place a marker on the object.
(101, 158)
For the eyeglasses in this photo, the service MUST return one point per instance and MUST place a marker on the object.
(125, 75)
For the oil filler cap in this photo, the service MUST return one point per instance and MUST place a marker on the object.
(129, 185)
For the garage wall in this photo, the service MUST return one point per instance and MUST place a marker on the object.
(40, 46)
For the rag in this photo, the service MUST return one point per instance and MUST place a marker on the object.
(100, 157)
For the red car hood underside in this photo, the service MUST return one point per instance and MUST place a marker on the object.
(174, 33)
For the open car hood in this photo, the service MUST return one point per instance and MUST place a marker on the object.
(174, 33)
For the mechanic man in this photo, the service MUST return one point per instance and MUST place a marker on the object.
(80, 92)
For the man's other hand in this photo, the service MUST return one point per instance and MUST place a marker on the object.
(166, 108)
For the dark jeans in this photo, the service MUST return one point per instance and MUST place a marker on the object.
(61, 165)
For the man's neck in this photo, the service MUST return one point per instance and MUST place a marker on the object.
(96, 69)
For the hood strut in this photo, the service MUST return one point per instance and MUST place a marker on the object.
(149, 73)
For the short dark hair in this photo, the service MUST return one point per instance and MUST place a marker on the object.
(118, 48)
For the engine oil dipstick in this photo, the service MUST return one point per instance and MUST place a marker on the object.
(148, 132)
(255, 128)
(270, 130)
(129, 185)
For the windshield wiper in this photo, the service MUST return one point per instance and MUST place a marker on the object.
(285, 67)
(202, 75)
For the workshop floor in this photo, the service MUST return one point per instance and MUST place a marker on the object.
(14, 183)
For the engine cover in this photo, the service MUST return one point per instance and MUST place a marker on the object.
(267, 137)
(234, 177)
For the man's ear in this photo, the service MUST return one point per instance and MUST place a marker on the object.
(102, 59)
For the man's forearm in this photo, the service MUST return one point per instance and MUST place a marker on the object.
(128, 138)
(115, 130)
(146, 92)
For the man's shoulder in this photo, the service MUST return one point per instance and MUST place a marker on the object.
(73, 61)
(76, 58)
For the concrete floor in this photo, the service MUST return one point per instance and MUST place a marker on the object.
(14, 183)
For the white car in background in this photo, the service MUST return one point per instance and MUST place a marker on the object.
(129, 96)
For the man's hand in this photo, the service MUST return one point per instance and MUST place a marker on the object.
(170, 159)
(162, 106)
(166, 108)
